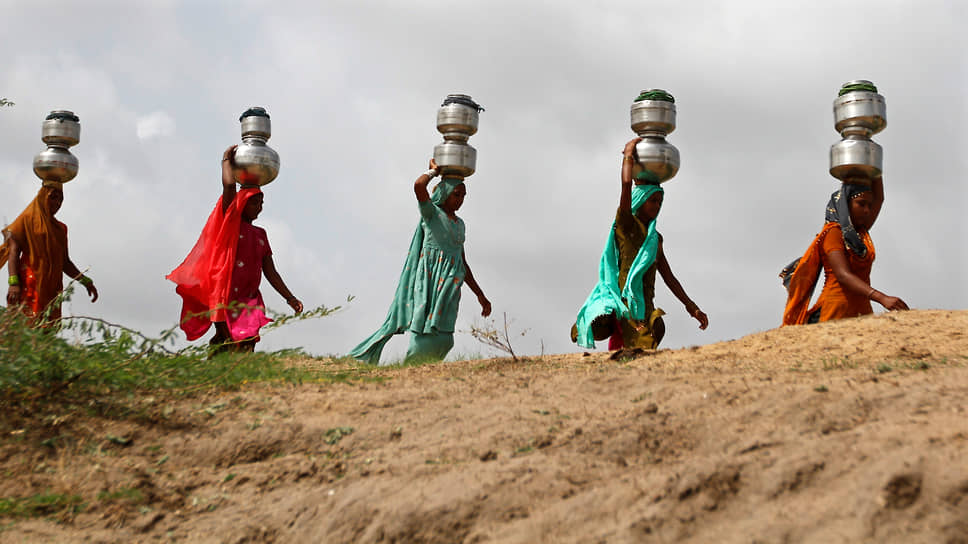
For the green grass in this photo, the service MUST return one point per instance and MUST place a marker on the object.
(43, 504)
(87, 365)
(124, 494)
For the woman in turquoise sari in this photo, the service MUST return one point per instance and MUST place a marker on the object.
(620, 307)
(428, 293)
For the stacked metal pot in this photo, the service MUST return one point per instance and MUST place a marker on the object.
(457, 120)
(256, 163)
(654, 118)
(60, 131)
(859, 113)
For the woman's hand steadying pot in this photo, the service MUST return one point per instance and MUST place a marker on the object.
(629, 150)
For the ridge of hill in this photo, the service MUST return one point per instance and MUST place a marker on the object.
(849, 431)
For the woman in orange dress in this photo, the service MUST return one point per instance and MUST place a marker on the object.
(35, 249)
(845, 251)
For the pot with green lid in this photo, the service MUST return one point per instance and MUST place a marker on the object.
(859, 113)
(653, 113)
(61, 130)
(858, 108)
(255, 163)
(457, 120)
(653, 116)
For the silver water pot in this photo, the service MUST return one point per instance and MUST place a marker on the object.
(653, 115)
(659, 157)
(859, 160)
(255, 163)
(60, 130)
(859, 113)
(457, 120)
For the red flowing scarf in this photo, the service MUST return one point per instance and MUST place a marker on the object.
(204, 278)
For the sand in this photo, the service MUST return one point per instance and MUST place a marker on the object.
(851, 431)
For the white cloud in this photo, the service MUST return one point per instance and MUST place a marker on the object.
(155, 124)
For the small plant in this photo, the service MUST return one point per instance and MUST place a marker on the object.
(124, 494)
(334, 435)
(489, 335)
(821, 389)
(884, 368)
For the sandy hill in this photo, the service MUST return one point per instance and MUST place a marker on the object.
(854, 431)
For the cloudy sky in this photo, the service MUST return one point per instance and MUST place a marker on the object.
(353, 87)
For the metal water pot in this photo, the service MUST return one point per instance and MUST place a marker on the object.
(653, 116)
(659, 157)
(859, 113)
(255, 163)
(60, 130)
(457, 120)
(856, 159)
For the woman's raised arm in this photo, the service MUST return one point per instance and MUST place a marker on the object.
(628, 161)
(420, 185)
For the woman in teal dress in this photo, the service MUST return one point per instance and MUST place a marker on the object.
(428, 293)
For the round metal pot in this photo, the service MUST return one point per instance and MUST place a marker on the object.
(653, 117)
(255, 162)
(457, 121)
(61, 128)
(856, 159)
(860, 112)
(55, 164)
(455, 159)
(659, 157)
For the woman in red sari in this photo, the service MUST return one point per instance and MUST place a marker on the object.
(845, 252)
(35, 249)
(219, 280)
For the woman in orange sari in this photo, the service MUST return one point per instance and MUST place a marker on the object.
(845, 251)
(35, 249)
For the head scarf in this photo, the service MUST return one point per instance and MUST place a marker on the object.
(838, 211)
(205, 276)
(444, 189)
(606, 297)
(46, 245)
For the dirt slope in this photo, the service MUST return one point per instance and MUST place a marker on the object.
(854, 431)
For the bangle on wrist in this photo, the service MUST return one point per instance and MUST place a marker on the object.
(628, 158)
(871, 293)
(432, 173)
(13, 280)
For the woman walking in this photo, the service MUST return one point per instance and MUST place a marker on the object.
(219, 280)
(621, 306)
(35, 249)
(845, 252)
(428, 293)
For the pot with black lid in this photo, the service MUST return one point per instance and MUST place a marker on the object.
(255, 163)
(653, 116)
(457, 120)
(859, 113)
(60, 131)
